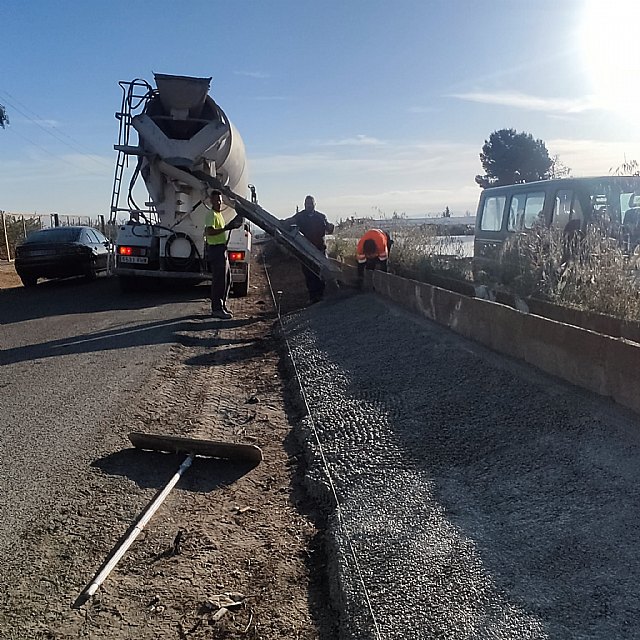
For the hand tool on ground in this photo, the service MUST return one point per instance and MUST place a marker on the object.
(169, 444)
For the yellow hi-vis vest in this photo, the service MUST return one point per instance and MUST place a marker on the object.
(216, 220)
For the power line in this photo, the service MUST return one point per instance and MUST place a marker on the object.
(52, 131)
(57, 157)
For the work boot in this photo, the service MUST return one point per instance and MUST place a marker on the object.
(221, 314)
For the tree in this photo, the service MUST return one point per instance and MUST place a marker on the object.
(558, 168)
(446, 213)
(4, 119)
(509, 157)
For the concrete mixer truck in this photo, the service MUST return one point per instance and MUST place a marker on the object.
(186, 146)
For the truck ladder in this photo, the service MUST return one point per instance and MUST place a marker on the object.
(124, 117)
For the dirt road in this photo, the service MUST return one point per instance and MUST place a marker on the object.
(249, 538)
(8, 276)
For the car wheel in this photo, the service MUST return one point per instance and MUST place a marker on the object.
(92, 271)
(29, 281)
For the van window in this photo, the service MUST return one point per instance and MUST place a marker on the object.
(562, 208)
(629, 202)
(516, 212)
(492, 213)
(533, 209)
(566, 207)
(524, 210)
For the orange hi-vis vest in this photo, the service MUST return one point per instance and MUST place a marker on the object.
(380, 239)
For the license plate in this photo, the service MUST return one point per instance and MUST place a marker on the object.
(237, 272)
(134, 259)
(42, 252)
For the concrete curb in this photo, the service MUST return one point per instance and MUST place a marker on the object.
(607, 365)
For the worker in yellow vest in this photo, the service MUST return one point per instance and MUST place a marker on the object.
(216, 233)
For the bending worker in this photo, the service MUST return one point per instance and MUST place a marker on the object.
(373, 251)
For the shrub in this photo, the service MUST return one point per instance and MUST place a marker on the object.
(17, 228)
(591, 273)
(341, 248)
(417, 251)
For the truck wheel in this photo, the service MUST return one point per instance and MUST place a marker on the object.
(241, 289)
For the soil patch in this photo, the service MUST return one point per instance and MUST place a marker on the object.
(235, 551)
(8, 276)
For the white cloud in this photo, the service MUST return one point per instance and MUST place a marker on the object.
(593, 157)
(285, 164)
(69, 184)
(358, 140)
(416, 178)
(531, 103)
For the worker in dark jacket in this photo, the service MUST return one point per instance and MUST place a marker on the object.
(372, 251)
(313, 225)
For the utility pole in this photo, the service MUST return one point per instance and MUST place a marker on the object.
(6, 236)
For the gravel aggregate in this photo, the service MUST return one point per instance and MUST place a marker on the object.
(477, 497)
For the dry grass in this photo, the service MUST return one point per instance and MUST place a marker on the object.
(592, 273)
(417, 252)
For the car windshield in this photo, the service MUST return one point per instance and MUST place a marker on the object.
(59, 234)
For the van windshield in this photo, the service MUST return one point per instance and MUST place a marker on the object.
(611, 198)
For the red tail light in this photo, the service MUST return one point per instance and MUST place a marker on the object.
(236, 256)
(132, 251)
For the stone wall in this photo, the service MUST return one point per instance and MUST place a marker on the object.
(606, 364)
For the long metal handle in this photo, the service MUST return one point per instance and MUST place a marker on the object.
(117, 553)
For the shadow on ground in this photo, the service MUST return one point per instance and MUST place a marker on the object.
(152, 469)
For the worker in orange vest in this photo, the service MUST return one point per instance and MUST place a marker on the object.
(373, 251)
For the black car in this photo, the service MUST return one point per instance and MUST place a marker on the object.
(61, 252)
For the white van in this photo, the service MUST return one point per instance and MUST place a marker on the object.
(239, 253)
(568, 204)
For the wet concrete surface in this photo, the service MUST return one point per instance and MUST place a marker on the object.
(477, 497)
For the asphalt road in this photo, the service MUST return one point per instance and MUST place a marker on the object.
(73, 354)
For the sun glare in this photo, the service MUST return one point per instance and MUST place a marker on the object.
(611, 53)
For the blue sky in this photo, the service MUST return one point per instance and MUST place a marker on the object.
(371, 106)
